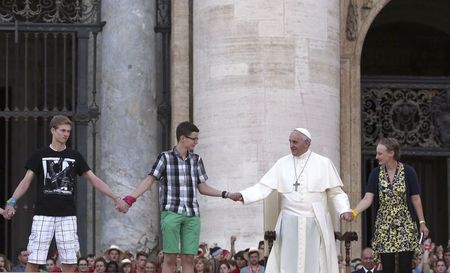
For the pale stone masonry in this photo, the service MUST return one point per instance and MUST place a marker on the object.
(261, 68)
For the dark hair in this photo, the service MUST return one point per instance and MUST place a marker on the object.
(81, 259)
(141, 253)
(392, 145)
(185, 129)
(90, 255)
(60, 120)
(19, 251)
(116, 267)
(100, 259)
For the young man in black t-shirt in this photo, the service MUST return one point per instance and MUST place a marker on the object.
(56, 168)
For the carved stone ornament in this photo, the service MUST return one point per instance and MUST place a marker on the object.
(403, 113)
(352, 21)
(368, 4)
(441, 107)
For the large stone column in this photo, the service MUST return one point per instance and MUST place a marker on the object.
(129, 131)
(261, 68)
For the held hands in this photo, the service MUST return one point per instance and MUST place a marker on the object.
(9, 212)
(235, 196)
(347, 216)
(121, 205)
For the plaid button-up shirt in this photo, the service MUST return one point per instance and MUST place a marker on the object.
(178, 180)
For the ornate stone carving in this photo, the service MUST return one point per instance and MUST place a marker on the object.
(49, 11)
(352, 21)
(403, 113)
(441, 107)
(368, 4)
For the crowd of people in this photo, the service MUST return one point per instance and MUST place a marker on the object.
(434, 259)
(115, 259)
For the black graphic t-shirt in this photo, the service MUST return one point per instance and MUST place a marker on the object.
(56, 180)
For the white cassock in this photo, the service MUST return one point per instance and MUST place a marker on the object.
(305, 240)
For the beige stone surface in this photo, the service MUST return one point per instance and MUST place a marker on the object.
(351, 106)
(261, 68)
(180, 64)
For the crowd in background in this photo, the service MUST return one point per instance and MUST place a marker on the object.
(215, 259)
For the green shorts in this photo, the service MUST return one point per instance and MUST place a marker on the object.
(180, 233)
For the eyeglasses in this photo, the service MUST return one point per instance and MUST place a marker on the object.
(192, 138)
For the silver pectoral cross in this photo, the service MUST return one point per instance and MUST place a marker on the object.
(296, 184)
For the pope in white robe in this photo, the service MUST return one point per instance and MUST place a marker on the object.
(307, 183)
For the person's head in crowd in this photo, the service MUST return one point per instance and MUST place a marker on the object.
(217, 253)
(127, 254)
(50, 264)
(201, 265)
(22, 256)
(126, 266)
(82, 265)
(5, 266)
(141, 260)
(367, 258)
(440, 267)
(447, 256)
(261, 246)
(224, 267)
(200, 252)
(150, 267)
(91, 261)
(240, 259)
(252, 256)
(113, 253)
(233, 266)
(112, 267)
(100, 265)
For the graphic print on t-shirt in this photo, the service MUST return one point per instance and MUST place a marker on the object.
(59, 175)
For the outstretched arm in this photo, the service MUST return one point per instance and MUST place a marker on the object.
(19, 192)
(365, 203)
(206, 189)
(143, 186)
(101, 186)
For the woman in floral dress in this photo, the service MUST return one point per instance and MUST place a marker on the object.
(395, 187)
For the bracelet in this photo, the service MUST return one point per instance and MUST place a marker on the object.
(129, 200)
(422, 222)
(224, 194)
(355, 213)
(11, 201)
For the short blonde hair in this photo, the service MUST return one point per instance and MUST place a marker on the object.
(60, 120)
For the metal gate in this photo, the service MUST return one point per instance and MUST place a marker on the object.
(44, 52)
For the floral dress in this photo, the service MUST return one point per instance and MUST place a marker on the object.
(395, 231)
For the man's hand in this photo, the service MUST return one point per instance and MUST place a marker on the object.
(9, 212)
(235, 196)
(232, 239)
(347, 216)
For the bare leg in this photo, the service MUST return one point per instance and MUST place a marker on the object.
(68, 267)
(187, 263)
(31, 267)
(170, 263)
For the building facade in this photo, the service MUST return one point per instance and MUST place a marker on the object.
(247, 73)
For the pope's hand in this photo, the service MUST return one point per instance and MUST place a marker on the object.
(347, 216)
